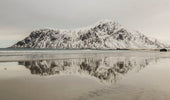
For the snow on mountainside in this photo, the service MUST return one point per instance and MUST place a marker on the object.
(105, 34)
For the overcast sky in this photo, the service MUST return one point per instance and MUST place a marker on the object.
(19, 17)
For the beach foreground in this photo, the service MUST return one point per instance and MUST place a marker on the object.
(84, 75)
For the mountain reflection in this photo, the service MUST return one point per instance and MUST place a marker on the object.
(106, 69)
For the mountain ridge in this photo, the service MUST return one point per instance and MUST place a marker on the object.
(105, 34)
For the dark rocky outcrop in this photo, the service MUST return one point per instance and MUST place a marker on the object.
(163, 50)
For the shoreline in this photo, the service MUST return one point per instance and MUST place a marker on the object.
(20, 49)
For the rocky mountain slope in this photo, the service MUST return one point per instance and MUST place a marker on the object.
(105, 34)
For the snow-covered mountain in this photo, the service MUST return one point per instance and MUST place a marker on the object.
(105, 34)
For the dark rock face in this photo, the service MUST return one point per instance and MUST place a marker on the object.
(163, 50)
(20, 43)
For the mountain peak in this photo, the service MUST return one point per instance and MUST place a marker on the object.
(105, 21)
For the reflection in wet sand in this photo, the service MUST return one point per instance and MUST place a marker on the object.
(106, 69)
